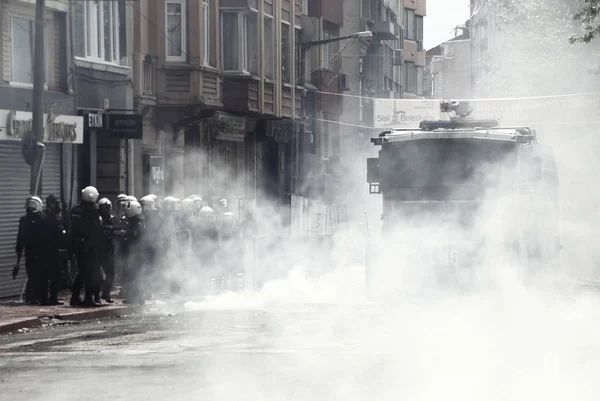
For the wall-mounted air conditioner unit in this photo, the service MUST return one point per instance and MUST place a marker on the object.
(344, 81)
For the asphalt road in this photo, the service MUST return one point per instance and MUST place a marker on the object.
(212, 355)
(509, 345)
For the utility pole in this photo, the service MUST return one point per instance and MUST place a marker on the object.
(39, 81)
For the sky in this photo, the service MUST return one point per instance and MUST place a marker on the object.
(442, 17)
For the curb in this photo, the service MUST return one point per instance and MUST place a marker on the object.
(18, 324)
(99, 313)
(68, 315)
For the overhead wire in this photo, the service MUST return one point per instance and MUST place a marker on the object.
(356, 96)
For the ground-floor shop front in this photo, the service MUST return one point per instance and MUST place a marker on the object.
(64, 131)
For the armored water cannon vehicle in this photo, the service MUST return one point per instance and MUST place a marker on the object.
(440, 181)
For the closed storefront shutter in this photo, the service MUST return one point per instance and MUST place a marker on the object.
(14, 190)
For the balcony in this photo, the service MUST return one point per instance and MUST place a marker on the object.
(328, 81)
(331, 11)
(384, 30)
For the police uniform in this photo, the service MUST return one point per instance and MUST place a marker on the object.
(29, 241)
(86, 238)
(135, 251)
(107, 255)
(54, 241)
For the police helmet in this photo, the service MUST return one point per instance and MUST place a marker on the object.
(122, 198)
(187, 204)
(207, 211)
(133, 209)
(89, 194)
(223, 203)
(131, 198)
(197, 203)
(229, 215)
(170, 204)
(147, 203)
(105, 202)
(34, 203)
(157, 201)
(53, 202)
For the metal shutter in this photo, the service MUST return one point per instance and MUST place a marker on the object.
(14, 190)
(51, 171)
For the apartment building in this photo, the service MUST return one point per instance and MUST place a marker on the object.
(101, 37)
(63, 128)
(324, 80)
(448, 71)
(217, 83)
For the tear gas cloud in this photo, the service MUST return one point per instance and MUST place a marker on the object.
(496, 331)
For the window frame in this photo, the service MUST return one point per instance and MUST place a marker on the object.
(243, 56)
(286, 70)
(207, 35)
(93, 47)
(330, 50)
(407, 21)
(273, 44)
(12, 81)
(407, 74)
(183, 57)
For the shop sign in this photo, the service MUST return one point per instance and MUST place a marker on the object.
(230, 127)
(125, 126)
(93, 121)
(157, 175)
(62, 128)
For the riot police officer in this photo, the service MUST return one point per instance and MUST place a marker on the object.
(28, 240)
(154, 226)
(135, 250)
(86, 238)
(54, 237)
(107, 249)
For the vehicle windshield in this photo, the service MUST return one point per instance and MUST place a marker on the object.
(447, 169)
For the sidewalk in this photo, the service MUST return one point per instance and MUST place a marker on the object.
(15, 316)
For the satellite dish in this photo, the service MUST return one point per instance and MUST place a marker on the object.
(29, 148)
(307, 31)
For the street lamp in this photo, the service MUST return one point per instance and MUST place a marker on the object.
(356, 35)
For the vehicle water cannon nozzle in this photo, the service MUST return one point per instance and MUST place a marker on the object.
(461, 109)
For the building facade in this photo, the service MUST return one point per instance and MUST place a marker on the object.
(110, 158)
(220, 98)
(63, 128)
(448, 73)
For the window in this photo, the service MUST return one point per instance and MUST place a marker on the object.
(409, 24)
(239, 36)
(304, 7)
(286, 54)
(269, 48)
(175, 30)
(419, 79)
(409, 77)
(330, 50)
(419, 31)
(206, 15)
(300, 62)
(97, 30)
(23, 43)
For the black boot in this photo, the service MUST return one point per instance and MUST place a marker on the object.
(108, 299)
(75, 300)
(89, 302)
